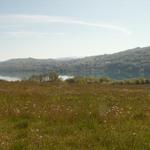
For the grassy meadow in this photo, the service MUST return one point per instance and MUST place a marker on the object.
(63, 116)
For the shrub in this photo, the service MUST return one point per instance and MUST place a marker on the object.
(23, 124)
(72, 80)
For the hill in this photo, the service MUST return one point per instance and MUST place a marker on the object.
(127, 64)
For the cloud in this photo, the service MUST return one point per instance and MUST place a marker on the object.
(45, 19)
(22, 34)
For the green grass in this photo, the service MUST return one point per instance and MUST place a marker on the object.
(61, 116)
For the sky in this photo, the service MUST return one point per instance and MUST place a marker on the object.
(72, 28)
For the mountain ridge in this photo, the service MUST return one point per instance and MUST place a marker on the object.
(122, 65)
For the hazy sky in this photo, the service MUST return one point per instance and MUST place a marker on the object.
(63, 28)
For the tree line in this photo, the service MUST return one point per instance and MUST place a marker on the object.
(54, 77)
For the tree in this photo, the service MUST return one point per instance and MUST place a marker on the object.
(53, 76)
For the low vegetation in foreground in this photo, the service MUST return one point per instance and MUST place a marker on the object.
(65, 116)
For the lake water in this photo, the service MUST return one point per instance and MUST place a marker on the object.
(65, 77)
(7, 78)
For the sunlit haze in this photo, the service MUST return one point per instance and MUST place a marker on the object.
(71, 28)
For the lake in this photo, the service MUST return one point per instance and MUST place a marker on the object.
(8, 78)
(65, 77)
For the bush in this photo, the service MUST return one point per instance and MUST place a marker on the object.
(72, 80)
(105, 80)
(23, 124)
(52, 76)
(89, 80)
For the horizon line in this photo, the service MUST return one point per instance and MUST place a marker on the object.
(72, 57)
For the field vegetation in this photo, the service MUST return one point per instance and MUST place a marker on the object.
(72, 115)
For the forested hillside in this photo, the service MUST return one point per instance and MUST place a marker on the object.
(127, 64)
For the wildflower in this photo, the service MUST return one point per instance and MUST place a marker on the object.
(41, 137)
(134, 133)
(34, 105)
(37, 130)
(128, 112)
(17, 111)
(130, 108)
(105, 121)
